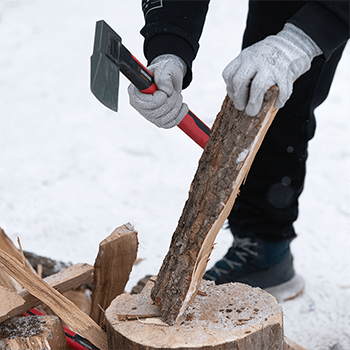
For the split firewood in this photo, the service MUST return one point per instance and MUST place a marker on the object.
(33, 333)
(229, 316)
(75, 319)
(9, 301)
(7, 245)
(8, 282)
(81, 298)
(113, 264)
(234, 141)
(63, 281)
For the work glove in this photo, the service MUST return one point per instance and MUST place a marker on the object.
(163, 108)
(279, 59)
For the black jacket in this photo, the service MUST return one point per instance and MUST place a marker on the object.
(176, 26)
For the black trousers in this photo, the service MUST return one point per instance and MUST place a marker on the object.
(268, 202)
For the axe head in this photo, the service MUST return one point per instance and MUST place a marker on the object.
(104, 73)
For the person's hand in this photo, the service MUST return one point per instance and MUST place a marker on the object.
(164, 108)
(279, 59)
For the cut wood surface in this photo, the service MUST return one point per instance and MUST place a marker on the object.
(63, 281)
(76, 319)
(234, 140)
(8, 282)
(7, 245)
(113, 264)
(229, 316)
(32, 333)
(9, 300)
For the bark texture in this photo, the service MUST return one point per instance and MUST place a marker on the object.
(235, 138)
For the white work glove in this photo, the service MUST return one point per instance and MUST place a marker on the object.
(279, 59)
(164, 108)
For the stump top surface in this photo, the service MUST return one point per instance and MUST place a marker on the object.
(218, 315)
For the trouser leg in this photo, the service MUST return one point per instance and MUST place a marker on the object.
(268, 201)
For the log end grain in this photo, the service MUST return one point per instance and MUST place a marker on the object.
(33, 332)
(232, 315)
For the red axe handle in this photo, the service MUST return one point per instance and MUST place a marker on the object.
(143, 79)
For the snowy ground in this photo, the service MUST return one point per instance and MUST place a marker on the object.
(72, 171)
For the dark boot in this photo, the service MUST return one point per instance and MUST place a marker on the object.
(259, 263)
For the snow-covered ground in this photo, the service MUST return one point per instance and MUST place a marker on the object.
(72, 170)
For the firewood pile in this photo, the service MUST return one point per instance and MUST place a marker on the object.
(46, 304)
(64, 306)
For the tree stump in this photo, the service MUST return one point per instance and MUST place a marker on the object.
(229, 316)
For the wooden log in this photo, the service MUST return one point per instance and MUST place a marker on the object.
(47, 265)
(229, 316)
(81, 298)
(235, 139)
(7, 245)
(32, 333)
(113, 264)
(8, 282)
(9, 301)
(63, 281)
(76, 319)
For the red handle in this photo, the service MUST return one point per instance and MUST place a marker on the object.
(191, 125)
(195, 129)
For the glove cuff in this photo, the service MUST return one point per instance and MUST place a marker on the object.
(176, 60)
(300, 39)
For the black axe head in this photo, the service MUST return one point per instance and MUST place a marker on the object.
(105, 72)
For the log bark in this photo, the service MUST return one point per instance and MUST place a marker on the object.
(235, 139)
(229, 316)
(47, 265)
(32, 333)
(63, 281)
(76, 319)
(113, 264)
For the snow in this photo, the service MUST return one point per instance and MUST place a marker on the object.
(72, 170)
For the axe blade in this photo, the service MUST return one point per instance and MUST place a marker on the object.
(104, 73)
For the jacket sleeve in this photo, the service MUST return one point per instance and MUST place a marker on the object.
(173, 27)
(326, 22)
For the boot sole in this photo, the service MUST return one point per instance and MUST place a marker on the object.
(287, 290)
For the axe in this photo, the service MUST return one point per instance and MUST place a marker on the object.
(109, 57)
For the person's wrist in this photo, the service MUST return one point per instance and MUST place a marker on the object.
(174, 59)
(300, 39)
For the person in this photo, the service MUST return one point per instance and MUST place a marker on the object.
(293, 44)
